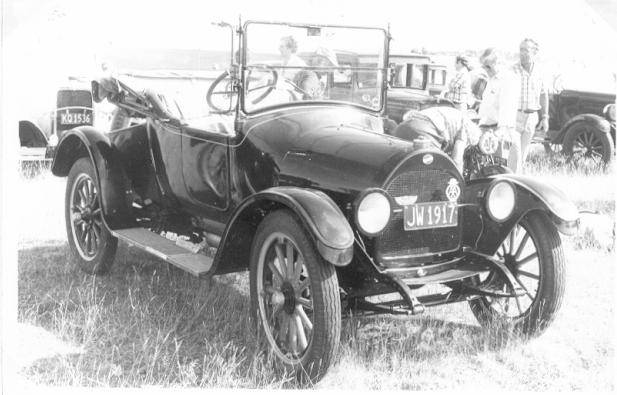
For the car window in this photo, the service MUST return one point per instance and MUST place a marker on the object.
(286, 64)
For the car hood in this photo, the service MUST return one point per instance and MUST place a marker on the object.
(339, 158)
(330, 149)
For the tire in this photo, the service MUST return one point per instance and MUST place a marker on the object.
(301, 296)
(534, 311)
(583, 140)
(92, 247)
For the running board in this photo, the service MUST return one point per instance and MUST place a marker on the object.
(195, 263)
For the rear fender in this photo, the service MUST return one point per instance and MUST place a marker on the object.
(594, 120)
(531, 195)
(111, 178)
(320, 216)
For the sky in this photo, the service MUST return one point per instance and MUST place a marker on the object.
(44, 40)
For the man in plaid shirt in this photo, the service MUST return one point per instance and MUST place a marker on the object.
(533, 97)
(459, 88)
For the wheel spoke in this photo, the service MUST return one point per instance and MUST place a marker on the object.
(82, 234)
(527, 259)
(513, 238)
(519, 250)
(89, 192)
(290, 260)
(275, 271)
(306, 322)
(306, 303)
(95, 239)
(87, 240)
(281, 258)
(82, 197)
(303, 343)
(95, 203)
(524, 288)
(518, 305)
(292, 337)
(530, 275)
(284, 328)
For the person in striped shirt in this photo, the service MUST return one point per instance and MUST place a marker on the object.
(459, 88)
(533, 100)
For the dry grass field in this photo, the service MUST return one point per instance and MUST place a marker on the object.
(149, 324)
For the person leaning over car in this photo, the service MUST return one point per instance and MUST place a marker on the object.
(533, 96)
(459, 88)
(500, 102)
(447, 128)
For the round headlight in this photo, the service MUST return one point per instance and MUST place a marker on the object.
(488, 143)
(500, 200)
(373, 212)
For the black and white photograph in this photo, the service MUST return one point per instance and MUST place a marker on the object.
(308, 195)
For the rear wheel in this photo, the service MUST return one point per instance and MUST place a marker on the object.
(294, 297)
(533, 253)
(586, 143)
(92, 246)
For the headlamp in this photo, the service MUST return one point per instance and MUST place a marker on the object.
(373, 212)
(500, 200)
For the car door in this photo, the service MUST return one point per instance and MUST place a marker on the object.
(205, 165)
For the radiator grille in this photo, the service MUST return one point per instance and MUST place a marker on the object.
(429, 186)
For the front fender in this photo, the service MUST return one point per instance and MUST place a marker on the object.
(594, 120)
(320, 216)
(531, 195)
(111, 179)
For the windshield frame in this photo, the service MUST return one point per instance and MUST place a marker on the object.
(383, 69)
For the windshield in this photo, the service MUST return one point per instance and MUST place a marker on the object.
(292, 63)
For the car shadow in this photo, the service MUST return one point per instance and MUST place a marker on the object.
(163, 322)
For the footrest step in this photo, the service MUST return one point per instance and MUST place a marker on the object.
(195, 263)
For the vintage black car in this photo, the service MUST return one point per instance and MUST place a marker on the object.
(309, 195)
(582, 125)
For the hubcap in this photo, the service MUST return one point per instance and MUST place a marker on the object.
(85, 217)
(285, 298)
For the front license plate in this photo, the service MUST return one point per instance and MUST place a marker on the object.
(430, 215)
(68, 118)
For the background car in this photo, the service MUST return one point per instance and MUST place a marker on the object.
(39, 132)
(582, 125)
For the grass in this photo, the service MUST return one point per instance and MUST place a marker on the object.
(149, 324)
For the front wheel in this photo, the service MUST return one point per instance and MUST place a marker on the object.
(533, 253)
(91, 245)
(294, 297)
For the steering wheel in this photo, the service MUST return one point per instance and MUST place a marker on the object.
(269, 87)
(211, 91)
